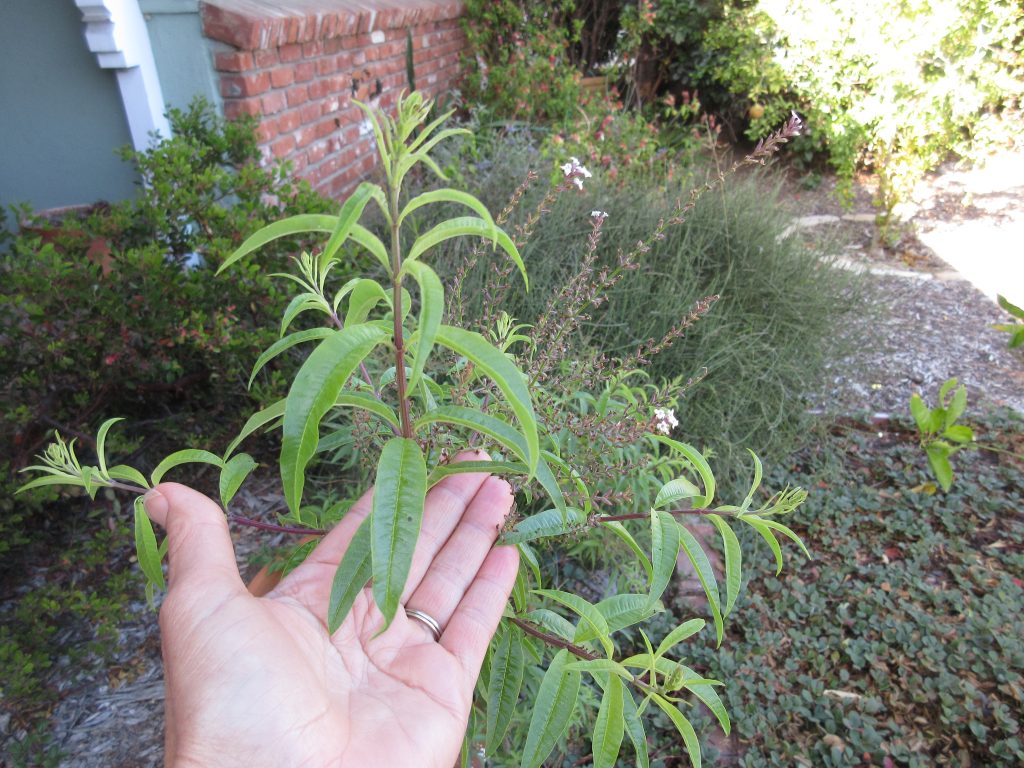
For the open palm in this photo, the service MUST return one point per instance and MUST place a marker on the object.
(259, 681)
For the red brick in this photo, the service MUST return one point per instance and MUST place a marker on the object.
(297, 95)
(316, 152)
(327, 127)
(288, 121)
(326, 65)
(282, 77)
(283, 146)
(233, 86)
(335, 45)
(266, 130)
(236, 108)
(289, 53)
(310, 113)
(305, 71)
(344, 61)
(264, 58)
(318, 88)
(313, 49)
(274, 102)
(233, 61)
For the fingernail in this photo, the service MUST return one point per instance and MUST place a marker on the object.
(156, 506)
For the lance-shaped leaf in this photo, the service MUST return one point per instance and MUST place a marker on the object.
(467, 225)
(733, 561)
(635, 730)
(446, 195)
(347, 218)
(504, 683)
(369, 403)
(289, 341)
(758, 524)
(788, 533)
(553, 622)
(366, 294)
(293, 225)
(664, 551)
(599, 668)
(441, 471)
(233, 474)
(707, 694)
(620, 530)
(314, 392)
(609, 726)
(675, 491)
(700, 464)
(755, 484)
(398, 496)
(431, 310)
(145, 546)
(503, 372)
(123, 472)
(353, 572)
(684, 728)
(680, 633)
(556, 699)
(101, 437)
(550, 522)
(301, 303)
(259, 419)
(591, 619)
(706, 575)
(621, 611)
(187, 456)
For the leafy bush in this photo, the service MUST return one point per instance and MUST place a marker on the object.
(901, 642)
(763, 343)
(519, 66)
(114, 309)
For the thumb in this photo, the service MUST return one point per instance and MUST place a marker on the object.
(199, 547)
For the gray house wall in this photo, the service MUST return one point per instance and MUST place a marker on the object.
(61, 116)
(183, 56)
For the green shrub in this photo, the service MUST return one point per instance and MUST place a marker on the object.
(901, 642)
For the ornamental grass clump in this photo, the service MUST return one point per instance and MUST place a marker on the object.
(396, 347)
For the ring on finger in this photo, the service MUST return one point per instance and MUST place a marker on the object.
(427, 620)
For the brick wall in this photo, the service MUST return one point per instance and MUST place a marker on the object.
(297, 64)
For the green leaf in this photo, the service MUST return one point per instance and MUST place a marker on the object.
(944, 390)
(187, 456)
(372, 243)
(683, 726)
(301, 303)
(706, 576)
(938, 458)
(446, 195)
(504, 683)
(680, 633)
(287, 342)
(353, 572)
(635, 730)
(293, 225)
(733, 561)
(676, 490)
(758, 471)
(369, 403)
(123, 472)
(620, 530)
(664, 551)
(758, 524)
(510, 380)
(145, 546)
(609, 727)
(556, 699)
(706, 693)
(957, 406)
(232, 474)
(700, 464)
(467, 225)
(497, 429)
(600, 667)
(620, 611)
(382, 147)
(959, 433)
(550, 522)
(1009, 307)
(40, 482)
(314, 391)
(366, 294)
(788, 533)
(254, 422)
(591, 618)
(442, 471)
(431, 310)
(101, 437)
(347, 217)
(398, 497)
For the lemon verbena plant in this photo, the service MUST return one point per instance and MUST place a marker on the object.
(427, 388)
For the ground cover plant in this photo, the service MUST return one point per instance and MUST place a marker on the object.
(418, 406)
(900, 642)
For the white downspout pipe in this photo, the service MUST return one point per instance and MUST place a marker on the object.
(116, 32)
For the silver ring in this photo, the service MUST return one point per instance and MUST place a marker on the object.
(429, 621)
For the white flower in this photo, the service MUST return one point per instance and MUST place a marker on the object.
(574, 170)
(600, 215)
(665, 420)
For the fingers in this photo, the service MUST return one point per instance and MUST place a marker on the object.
(476, 618)
(200, 552)
(456, 565)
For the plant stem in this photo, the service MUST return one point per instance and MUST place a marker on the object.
(553, 640)
(645, 516)
(248, 521)
(396, 283)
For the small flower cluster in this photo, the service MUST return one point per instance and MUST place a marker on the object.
(575, 171)
(665, 420)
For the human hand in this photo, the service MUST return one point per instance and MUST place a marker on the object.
(259, 681)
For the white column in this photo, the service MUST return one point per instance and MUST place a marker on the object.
(116, 32)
